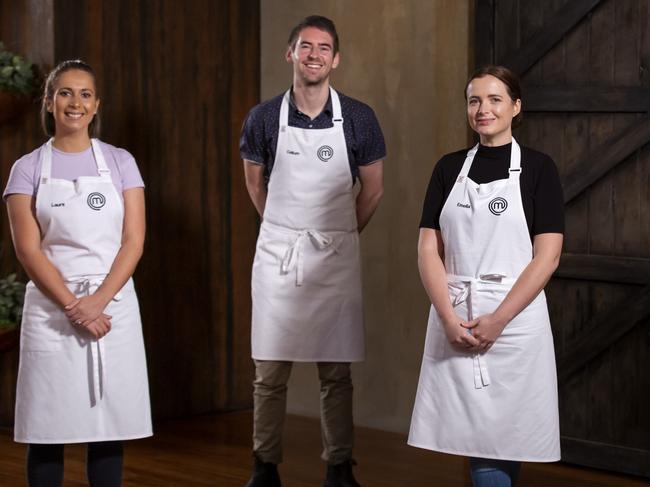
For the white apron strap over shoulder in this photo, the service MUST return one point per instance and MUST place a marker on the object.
(514, 171)
(102, 167)
(467, 165)
(46, 162)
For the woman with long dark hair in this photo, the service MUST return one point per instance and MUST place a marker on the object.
(76, 209)
(490, 238)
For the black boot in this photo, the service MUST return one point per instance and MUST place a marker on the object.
(341, 475)
(264, 475)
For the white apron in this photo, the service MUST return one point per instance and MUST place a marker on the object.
(306, 280)
(71, 387)
(501, 404)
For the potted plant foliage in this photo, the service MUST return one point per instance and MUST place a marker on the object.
(12, 295)
(18, 80)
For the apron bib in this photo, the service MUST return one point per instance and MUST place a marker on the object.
(306, 279)
(501, 404)
(71, 387)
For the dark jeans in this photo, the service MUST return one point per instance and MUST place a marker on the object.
(103, 464)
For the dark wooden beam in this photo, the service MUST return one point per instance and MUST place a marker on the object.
(483, 32)
(602, 331)
(625, 270)
(540, 42)
(586, 99)
(605, 157)
(605, 456)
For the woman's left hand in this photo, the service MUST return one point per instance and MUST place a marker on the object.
(486, 329)
(85, 309)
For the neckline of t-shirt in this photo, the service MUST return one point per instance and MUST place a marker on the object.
(72, 154)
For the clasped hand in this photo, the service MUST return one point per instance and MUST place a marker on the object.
(88, 312)
(477, 335)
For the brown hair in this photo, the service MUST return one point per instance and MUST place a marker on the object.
(320, 22)
(505, 75)
(47, 119)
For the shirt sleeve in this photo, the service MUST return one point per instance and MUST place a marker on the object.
(22, 178)
(434, 199)
(372, 146)
(548, 200)
(252, 140)
(129, 173)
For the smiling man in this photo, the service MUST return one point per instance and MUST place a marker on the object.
(303, 152)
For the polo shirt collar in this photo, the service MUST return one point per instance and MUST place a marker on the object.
(327, 109)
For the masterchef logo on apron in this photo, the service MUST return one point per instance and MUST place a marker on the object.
(96, 201)
(325, 153)
(498, 206)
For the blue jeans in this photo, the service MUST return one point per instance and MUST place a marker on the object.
(494, 473)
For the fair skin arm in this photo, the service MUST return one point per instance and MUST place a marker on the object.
(87, 308)
(547, 248)
(434, 280)
(26, 236)
(254, 175)
(372, 189)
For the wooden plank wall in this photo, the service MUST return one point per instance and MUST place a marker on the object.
(27, 31)
(588, 109)
(176, 81)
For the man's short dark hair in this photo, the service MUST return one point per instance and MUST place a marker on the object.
(318, 21)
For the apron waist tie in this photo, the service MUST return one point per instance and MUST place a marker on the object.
(98, 353)
(293, 256)
(467, 293)
(469, 285)
(87, 286)
(481, 374)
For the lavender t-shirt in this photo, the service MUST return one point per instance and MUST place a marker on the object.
(26, 171)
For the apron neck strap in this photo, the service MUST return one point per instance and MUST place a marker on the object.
(515, 161)
(467, 164)
(102, 168)
(337, 115)
(284, 111)
(46, 164)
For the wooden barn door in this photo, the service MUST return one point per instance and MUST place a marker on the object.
(586, 94)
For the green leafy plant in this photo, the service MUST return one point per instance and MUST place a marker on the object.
(12, 295)
(16, 74)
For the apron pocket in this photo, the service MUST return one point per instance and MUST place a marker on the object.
(44, 325)
(436, 343)
(271, 248)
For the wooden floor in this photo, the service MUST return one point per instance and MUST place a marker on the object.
(215, 451)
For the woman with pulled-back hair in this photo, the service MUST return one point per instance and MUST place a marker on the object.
(76, 210)
(490, 238)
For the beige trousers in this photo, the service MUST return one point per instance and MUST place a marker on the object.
(270, 405)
